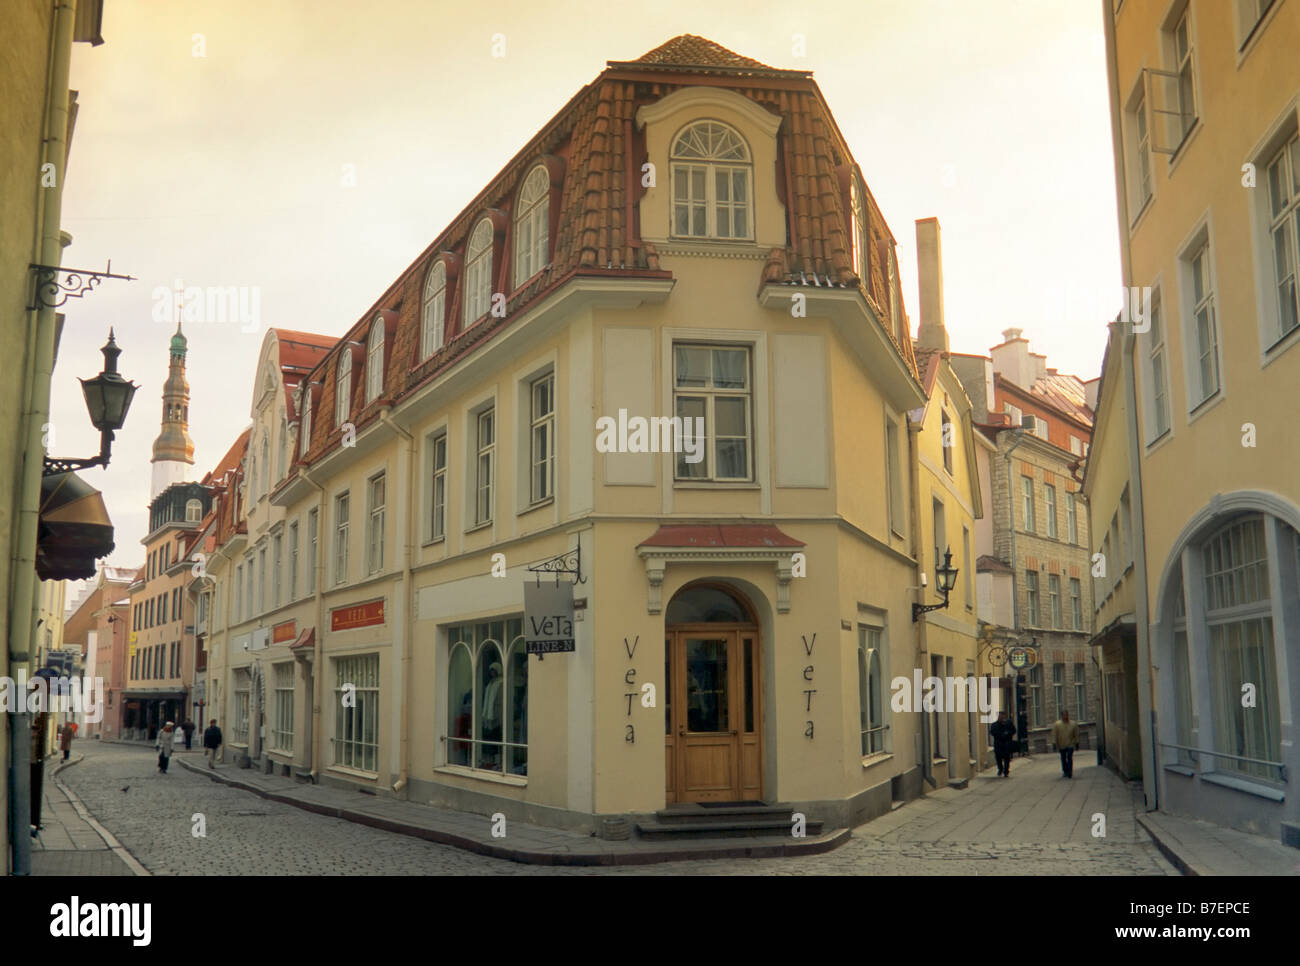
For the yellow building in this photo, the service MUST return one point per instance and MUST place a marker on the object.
(37, 116)
(1207, 152)
(688, 239)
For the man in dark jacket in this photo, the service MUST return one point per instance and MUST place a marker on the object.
(211, 742)
(1003, 733)
(187, 726)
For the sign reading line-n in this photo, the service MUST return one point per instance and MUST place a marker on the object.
(548, 617)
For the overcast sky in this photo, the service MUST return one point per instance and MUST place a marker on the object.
(227, 169)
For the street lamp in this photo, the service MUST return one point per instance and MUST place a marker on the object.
(946, 578)
(108, 397)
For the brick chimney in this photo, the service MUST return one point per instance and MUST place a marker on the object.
(929, 271)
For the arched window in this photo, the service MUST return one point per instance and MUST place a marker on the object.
(193, 511)
(711, 183)
(487, 697)
(701, 605)
(478, 273)
(343, 387)
(304, 420)
(283, 455)
(871, 691)
(375, 361)
(532, 225)
(435, 310)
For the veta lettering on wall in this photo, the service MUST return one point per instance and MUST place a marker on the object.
(629, 678)
(807, 675)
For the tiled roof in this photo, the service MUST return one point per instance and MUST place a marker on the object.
(690, 51)
(225, 497)
(1066, 393)
(592, 151)
(299, 354)
(989, 564)
(927, 364)
(728, 535)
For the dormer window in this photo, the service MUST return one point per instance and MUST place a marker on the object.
(435, 310)
(193, 511)
(478, 273)
(532, 226)
(343, 387)
(304, 423)
(711, 183)
(375, 361)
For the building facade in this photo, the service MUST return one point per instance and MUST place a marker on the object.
(1034, 572)
(98, 625)
(1207, 156)
(399, 487)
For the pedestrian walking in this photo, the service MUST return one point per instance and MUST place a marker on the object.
(1003, 733)
(66, 733)
(1065, 735)
(164, 744)
(211, 742)
(187, 726)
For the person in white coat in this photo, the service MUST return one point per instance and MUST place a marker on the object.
(166, 738)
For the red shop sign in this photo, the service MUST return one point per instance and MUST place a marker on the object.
(359, 615)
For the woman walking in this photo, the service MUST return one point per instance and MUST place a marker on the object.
(164, 745)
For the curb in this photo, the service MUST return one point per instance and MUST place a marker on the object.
(1183, 864)
(814, 846)
(110, 840)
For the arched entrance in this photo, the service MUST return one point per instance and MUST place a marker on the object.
(713, 716)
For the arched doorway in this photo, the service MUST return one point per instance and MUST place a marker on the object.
(713, 716)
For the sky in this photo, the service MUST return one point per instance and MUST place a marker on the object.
(309, 150)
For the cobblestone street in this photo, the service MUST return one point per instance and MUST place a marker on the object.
(1034, 823)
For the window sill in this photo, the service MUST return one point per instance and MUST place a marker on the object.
(478, 773)
(716, 485)
(1281, 345)
(435, 541)
(479, 526)
(1181, 151)
(346, 772)
(1154, 444)
(877, 758)
(1141, 214)
(1257, 31)
(529, 508)
(1205, 405)
(1246, 785)
(1187, 771)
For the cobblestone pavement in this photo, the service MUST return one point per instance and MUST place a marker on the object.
(1033, 823)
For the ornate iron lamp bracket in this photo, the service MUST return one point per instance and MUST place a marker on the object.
(569, 562)
(52, 285)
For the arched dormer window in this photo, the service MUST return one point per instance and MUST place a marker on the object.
(375, 361)
(532, 225)
(304, 420)
(433, 317)
(478, 273)
(711, 167)
(193, 511)
(343, 387)
(283, 457)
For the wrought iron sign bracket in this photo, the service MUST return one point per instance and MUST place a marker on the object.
(569, 562)
(52, 285)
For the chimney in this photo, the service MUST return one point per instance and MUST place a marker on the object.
(929, 270)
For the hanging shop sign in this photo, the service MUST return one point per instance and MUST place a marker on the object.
(360, 615)
(1023, 657)
(548, 618)
(285, 632)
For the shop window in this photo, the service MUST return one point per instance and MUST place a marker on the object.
(487, 696)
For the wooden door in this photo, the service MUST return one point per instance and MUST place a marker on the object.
(712, 717)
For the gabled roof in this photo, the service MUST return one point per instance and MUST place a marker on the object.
(927, 364)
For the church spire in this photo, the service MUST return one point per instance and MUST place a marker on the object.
(173, 450)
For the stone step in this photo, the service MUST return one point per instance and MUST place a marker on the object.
(697, 813)
(736, 828)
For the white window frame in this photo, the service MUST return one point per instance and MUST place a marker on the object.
(282, 728)
(484, 439)
(684, 166)
(894, 463)
(1029, 514)
(1032, 601)
(541, 453)
(277, 569)
(342, 502)
(304, 421)
(193, 511)
(357, 723)
(1201, 249)
(375, 513)
(477, 283)
(1284, 222)
(438, 485)
(1049, 507)
(375, 360)
(532, 225)
(343, 387)
(293, 560)
(313, 544)
(1054, 600)
(1157, 373)
(1076, 603)
(711, 394)
(874, 730)
(1072, 516)
(433, 314)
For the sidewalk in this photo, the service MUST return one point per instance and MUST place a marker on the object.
(71, 842)
(1203, 848)
(532, 844)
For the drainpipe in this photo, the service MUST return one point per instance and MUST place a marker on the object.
(1015, 598)
(405, 608)
(317, 646)
(39, 363)
(918, 551)
(1146, 713)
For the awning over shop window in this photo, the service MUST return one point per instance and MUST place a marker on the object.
(74, 529)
